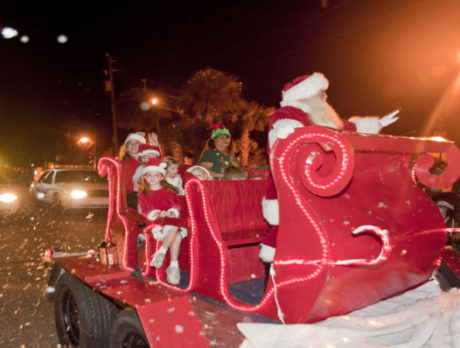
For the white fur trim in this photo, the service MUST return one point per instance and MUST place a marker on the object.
(270, 209)
(183, 232)
(369, 125)
(266, 253)
(173, 210)
(151, 215)
(309, 87)
(281, 127)
(146, 152)
(158, 232)
(189, 170)
(153, 169)
(134, 136)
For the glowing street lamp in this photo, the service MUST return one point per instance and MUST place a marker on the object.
(154, 101)
(86, 142)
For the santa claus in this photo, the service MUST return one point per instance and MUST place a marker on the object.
(304, 103)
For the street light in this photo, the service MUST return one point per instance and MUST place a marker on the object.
(86, 142)
(154, 101)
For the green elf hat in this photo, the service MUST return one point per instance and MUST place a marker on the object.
(219, 129)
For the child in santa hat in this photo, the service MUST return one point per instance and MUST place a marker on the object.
(146, 152)
(200, 172)
(158, 199)
(129, 157)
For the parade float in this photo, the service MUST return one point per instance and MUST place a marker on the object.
(355, 227)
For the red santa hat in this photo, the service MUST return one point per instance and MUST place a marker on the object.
(304, 87)
(155, 165)
(139, 136)
(145, 149)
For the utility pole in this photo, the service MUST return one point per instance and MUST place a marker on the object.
(110, 88)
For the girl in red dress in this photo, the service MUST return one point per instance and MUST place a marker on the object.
(159, 199)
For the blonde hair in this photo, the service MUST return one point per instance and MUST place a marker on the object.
(145, 187)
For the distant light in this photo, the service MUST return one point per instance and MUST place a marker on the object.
(154, 101)
(144, 106)
(40, 195)
(84, 140)
(9, 32)
(24, 39)
(62, 39)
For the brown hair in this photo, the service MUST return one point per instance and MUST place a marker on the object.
(234, 173)
(123, 154)
(164, 184)
(169, 161)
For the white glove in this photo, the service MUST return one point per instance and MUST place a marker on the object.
(283, 132)
(389, 119)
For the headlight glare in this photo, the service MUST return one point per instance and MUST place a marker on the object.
(78, 194)
(8, 197)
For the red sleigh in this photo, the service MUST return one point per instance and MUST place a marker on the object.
(355, 227)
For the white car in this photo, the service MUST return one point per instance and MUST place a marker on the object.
(69, 188)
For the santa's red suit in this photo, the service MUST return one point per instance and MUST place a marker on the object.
(303, 104)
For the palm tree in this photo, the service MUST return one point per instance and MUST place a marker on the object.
(253, 117)
(208, 96)
(210, 92)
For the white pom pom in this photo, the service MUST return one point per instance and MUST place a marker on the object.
(163, 165)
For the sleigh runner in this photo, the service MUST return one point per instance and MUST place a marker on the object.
(355, 228)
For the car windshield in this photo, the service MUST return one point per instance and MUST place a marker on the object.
(70, 176)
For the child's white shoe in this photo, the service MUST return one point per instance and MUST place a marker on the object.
(173, 275)
(157, 260)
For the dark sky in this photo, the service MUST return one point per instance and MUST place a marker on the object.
(378, 56)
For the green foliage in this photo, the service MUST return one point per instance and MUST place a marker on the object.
(207, 97)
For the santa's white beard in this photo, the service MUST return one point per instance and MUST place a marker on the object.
(320, 111)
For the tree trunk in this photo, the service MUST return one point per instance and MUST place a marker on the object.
(245, 145)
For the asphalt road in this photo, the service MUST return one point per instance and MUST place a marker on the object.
(26, 316)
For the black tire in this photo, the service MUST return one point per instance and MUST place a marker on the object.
(127, 331)
(83, 317)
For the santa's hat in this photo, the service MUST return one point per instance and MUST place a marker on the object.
(190, 169)
(155, 165)
(145, 149)
(218, 129)
(304, 87)
(139, 136)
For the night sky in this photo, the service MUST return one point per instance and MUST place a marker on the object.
(378, 56)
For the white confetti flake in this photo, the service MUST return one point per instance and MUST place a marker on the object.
(179, 329)
(172, 309)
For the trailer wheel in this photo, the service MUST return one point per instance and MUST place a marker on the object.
(83, 317)
(127, 331)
